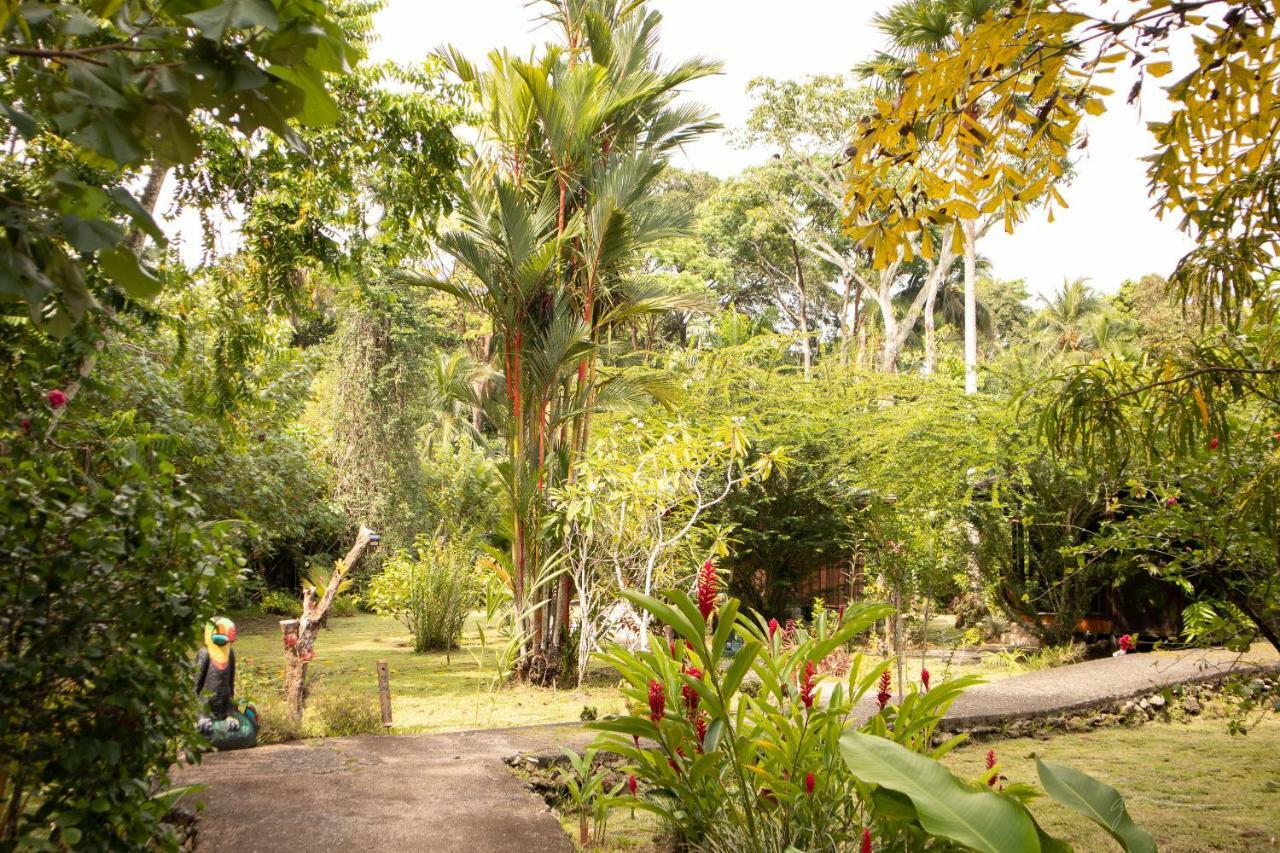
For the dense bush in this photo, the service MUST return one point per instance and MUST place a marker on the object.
(277, 602)
(347, 713)
(106, 582)
(784, 770)
(430, 588)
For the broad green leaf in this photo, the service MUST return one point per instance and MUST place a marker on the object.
(1097, 801)
(234, 14)
(318, 107)
(982, 820)
(122, 267)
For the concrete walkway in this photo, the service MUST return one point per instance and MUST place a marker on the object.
(449, 792)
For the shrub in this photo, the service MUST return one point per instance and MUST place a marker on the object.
(785, 770)
(105, 584)
(346, 713)
(263, 687)
(344, 606)
(280, 603)
(431, 589)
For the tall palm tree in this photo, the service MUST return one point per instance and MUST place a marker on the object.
(555, 213)
(1064, 324)
(913, 27)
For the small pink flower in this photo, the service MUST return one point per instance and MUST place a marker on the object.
(1126, 642)
(1171, 501)
(809, 782)
(707, 589)
(657, 700)
(806, 684)
(924, 679)
(866, 840)
(631, 784)
(884, 695)
(57, 399)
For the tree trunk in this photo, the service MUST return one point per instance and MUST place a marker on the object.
(300, 634)
(970, 308)
(845, 325)
(806, 349)
(930, 335)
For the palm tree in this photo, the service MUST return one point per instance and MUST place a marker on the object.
(1064, 324)
(914, 27)
(557, 208)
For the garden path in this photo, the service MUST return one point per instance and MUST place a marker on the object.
(446, 792)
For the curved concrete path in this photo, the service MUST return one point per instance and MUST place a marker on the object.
(447, 792)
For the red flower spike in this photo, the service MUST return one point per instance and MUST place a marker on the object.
(884, 695)
(924, 679)
(809, 781)
(700, 729)
(866, 841)
(840, 614)
(689, 694)
(631, 784)
(773, 628)
(1213, 443)
(806, 684)
(657, 700)
(57, 398)
(25, 423)
(991, 764)
(708, 585)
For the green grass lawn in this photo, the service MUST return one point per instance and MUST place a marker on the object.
(1192, 785)
(428, 693)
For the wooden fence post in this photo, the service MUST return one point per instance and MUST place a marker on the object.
(384, 693)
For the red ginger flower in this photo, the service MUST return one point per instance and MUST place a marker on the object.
(884, 695)
(57, 398)
(657, 700)
(866, 840)
(924, 679)
(631, 784)
(1213, 443)
(840, 614)
(773, 628)
(707, 588)
(991, 763)
(809, 781)
(1126, 642)
(806, 684)
(690, 694)
(700, 730)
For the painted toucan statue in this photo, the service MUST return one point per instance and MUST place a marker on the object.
(227, 725)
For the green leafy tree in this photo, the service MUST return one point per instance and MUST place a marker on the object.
(555, 214)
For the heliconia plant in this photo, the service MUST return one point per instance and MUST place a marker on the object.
(810, 761)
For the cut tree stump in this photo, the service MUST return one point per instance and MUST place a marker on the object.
(300, 634)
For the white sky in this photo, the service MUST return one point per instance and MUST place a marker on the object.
(1108, 234)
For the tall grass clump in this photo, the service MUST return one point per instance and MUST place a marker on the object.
(430, 588)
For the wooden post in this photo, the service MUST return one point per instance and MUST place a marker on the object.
(384, 693)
